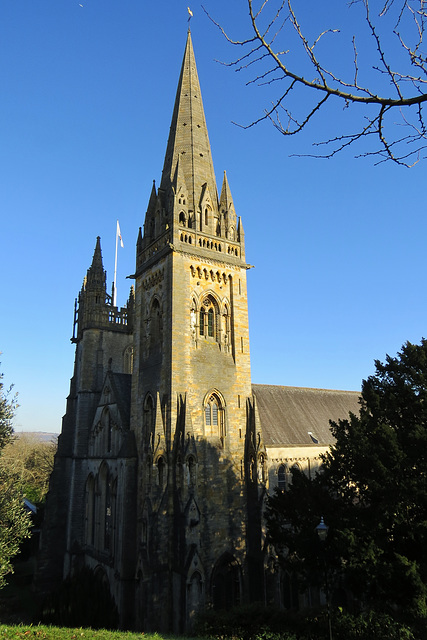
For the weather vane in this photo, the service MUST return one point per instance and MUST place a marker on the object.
(190, 15)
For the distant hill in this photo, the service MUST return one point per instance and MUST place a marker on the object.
(43, 436)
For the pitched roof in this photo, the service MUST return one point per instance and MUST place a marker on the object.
(295, 416)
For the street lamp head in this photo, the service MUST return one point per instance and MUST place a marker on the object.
(322, 530)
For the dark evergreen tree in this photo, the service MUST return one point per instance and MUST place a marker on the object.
(372, 493)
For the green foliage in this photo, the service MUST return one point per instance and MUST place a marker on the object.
(7, 411)
(372, 494)
(370, 626)
(82, 600)
(32, 461)
(14, 521)
(247, 622)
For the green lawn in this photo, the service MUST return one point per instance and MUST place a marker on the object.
(39, 632)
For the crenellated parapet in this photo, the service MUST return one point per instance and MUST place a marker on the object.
(94, 309)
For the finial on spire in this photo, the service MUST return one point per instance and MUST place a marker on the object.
(190, 15)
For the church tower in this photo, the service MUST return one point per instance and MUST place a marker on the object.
(156, 480)
(191, 378)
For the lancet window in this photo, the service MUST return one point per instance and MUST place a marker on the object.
(214, 416)
(281, 478)
(128, 359)
(208, 318)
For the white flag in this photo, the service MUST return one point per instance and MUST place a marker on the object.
(119, 235)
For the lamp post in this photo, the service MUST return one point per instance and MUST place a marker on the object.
(322, 532)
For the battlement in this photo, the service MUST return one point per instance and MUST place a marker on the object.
(100, 316)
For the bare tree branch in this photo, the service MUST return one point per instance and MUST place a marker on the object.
(274, 23)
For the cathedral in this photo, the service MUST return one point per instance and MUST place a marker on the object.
(167, 449)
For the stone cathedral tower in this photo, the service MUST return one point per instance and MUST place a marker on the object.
(191, 376)
(160, 470)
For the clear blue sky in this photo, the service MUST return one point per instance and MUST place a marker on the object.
(86, 101)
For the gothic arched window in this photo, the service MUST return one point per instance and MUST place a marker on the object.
(208, 318)
(128, 359)
(214, 415)
(281, 478)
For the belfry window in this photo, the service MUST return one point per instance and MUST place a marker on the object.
(208, 319)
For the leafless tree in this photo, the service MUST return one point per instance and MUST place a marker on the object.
(385, 78)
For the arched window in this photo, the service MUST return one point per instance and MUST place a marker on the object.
(208, 318)
(262, 475)
(194, 597)
(128, 359)
(281, 478)
(214, 415)
(182, 218)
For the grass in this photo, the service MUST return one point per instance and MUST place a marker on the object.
(40, 632)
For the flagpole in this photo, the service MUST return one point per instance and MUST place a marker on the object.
(115, 267)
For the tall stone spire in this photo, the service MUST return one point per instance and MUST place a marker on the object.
(188, 147)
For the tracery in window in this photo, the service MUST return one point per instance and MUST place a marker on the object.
(214, 415)
(208, 318)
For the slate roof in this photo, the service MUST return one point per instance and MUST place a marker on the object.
(288, 414)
